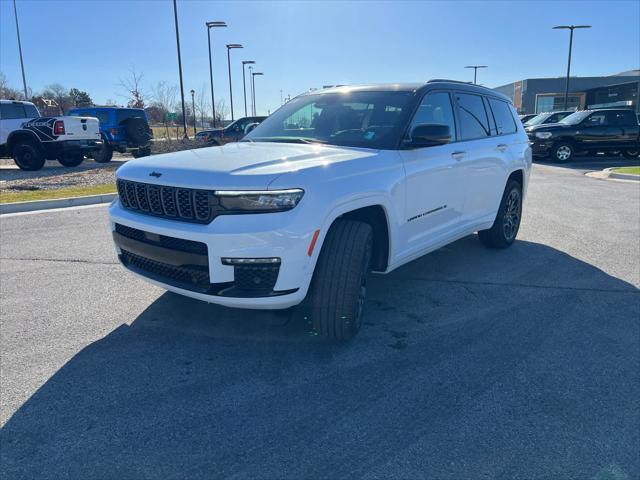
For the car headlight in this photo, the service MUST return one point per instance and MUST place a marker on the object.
(543, 135)
(253, 201)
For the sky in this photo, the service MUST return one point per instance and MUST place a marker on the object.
(92, 44)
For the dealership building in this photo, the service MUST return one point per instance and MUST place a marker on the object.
(537, 95)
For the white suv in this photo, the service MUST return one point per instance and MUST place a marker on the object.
(333, 185)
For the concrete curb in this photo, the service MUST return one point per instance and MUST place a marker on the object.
(621, 176)
(18, 207)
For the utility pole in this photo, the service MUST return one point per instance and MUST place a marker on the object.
(184, 113)
(24, 81)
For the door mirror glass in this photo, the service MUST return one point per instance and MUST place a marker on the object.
(429, 135)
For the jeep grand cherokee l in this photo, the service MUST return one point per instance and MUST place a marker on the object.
(333, 185)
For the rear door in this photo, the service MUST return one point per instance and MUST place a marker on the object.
(484, 157)
(435, 181)
(625, 120)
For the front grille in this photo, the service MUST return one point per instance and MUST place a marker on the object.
(184, 204)
(188, 277)
(259, 278)
(173, 243)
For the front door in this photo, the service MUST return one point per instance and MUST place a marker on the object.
(435, 188)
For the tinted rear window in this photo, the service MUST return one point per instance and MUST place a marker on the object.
(9, 111)
(505, 122)
(474, 122)
(123, 114)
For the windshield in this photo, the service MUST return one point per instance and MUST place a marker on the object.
(575, 118)
(353, 119)
(538, 119)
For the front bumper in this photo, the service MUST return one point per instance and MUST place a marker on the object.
(280, 235)
(67, 146)
(539, 147)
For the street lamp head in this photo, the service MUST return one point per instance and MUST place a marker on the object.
(193, 92)
(477, 66)
(248, 62)
(570, 27)
(215, 24)
(234, 45)
(257, 73)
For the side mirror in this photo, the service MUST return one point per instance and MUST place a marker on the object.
(250, 127)
(429, 135)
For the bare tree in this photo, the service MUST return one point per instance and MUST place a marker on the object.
(59, 94)
(164, 96)
(203, 107)
(133, 86)
(221, 111)
(7, 92)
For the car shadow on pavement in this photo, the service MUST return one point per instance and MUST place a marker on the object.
(473, 363)
(597, 162)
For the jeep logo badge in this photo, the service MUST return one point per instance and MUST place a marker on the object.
(155, 174)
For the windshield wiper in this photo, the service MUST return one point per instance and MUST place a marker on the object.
(306, 141)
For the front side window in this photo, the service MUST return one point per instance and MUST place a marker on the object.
(621, 118)
(435, 109)
(505, 122)
(474, 121)
(355, 119)
(596, 120)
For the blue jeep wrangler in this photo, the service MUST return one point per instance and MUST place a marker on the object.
(122, 130)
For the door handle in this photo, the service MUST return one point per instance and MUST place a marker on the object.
(502, 147)
(458, 155)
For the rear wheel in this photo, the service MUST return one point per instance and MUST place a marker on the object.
(141, 152)
(28, 156)
(562, 152)
(507, 223)
(71, 159)
(335, 302)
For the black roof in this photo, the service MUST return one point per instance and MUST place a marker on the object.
(412, 87)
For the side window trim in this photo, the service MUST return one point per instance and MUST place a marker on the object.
(493, 125)
(515, 124)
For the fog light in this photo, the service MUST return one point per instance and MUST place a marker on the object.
(251, 261)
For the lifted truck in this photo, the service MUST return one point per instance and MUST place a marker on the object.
(31, 139)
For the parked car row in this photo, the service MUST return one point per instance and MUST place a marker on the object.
(233, 132)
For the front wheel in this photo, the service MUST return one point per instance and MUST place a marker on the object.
(104, 154)
(631, 154)
(71, 159)
(507, 223)
(141, 152)
(562, 152)
(335, 302)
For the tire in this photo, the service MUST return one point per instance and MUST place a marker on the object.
(141, 152)
(631, 154)
(104, 155)
(71, 159)
(138, 131)
(28, 156)
(562, 152)
(336, 297)
(507, 223)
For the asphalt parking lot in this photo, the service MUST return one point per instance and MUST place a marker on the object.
(473, 364)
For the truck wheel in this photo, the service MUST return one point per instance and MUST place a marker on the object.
(141, 152)
(28, 156)
(507, 222)
(562, 152)
(104, 155)
(338, 288)
(71, 159)
(631, 154)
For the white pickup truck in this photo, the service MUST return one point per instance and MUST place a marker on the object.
(31, 139)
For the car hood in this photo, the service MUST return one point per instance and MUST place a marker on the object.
(244, 165)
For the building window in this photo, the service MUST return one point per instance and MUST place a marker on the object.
(555, 102)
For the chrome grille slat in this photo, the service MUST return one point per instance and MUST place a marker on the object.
(185, 204)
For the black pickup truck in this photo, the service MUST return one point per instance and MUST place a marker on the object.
(587, 131)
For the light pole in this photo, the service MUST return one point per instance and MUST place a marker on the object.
(229, 47)
(24, 81)
(211, 25)
(571, 28)
(475, 71)
(193, 106)
(184, 114)
(253, 86)
(244, 83)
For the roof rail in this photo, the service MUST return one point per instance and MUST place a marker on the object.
(449, 81)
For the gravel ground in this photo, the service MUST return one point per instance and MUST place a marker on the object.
(54, 176)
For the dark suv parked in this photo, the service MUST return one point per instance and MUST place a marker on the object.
(122, 129)
(590, 131)
(231, 133)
